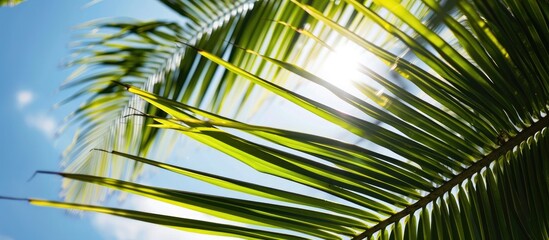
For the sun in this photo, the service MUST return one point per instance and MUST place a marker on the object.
(341, 66)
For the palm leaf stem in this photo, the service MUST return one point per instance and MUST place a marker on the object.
(458, 179)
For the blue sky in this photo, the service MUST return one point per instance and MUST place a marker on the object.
(34, 39)
(34, 42)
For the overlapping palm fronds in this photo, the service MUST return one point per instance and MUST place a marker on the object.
(148, 55)
(465, 161)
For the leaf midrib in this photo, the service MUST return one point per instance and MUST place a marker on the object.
(457, 179)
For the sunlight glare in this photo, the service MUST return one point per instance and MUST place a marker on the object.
(340, 67)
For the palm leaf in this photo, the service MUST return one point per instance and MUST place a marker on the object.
(10, 3)
(147, 54)
(168, 221)
(468, 163)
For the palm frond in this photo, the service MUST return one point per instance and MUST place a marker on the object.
(10, 3)
(148, 54)
(467, 163)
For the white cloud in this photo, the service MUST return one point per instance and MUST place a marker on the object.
(119, 228)
(24, 98)
(43, 123)
(91, 3)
